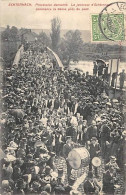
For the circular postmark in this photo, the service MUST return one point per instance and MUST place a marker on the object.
(112, 21)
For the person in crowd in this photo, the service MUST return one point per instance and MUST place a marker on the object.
(122, 78)
(114, 75)
(95, 69)
(46, 113)
(92, 130)
(90, 185)
(109, 181)
(94, 150)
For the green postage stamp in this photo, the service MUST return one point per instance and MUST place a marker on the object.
(108, 25)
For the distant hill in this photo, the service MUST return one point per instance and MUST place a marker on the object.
(2, 29)
(86, 36)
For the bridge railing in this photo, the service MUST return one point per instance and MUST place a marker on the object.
(18, 56)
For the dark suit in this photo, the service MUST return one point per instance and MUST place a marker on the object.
(89, 187)
(49, 103)
(66, 150)
(56, 104)
(108, 184)
(94, 149)
(91, 132)
(71, 131)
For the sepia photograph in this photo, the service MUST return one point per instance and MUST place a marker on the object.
(63, 97)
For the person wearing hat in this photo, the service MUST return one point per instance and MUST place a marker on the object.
(17, 171)
(109, 181)
(67, 147)
(6, 188)
(56, 103)
(7, 170)
(122, 78)
(115, 139)
(95, 68)
(46, 175)
(94, 150)
(21, 153)
(104, 137)
(121, 154)
(112, 163)
(72, 131)
(90, 185)
(59, 188)
(92, 130)
(35, 187)
(51, 162)
(19, 187)
(47, 188)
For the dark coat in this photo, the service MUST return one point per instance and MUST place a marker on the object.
(56, 104)
(91, 132)
(89, 187)
(105, 133)
(108, 184)
(94, 150)
(49, 103)
(71, 131)
(66, 150)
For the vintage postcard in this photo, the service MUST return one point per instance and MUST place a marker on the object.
(62, 92)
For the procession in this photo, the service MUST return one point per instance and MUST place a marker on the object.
(61, 132)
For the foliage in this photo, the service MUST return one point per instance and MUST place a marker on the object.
(10, 34)
(9, 44)
(44, 38)
(71, 46)
(55, 33)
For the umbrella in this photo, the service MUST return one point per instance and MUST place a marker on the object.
(101, 62)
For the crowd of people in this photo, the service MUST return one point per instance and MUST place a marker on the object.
(101, 69)
(46, 112)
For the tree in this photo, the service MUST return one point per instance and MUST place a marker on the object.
(44, 38)
(9, 39)
(10, 34)
(5, 36)
(71, 46)
(55, 34)
(14, 33)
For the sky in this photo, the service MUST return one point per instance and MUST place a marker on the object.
(28, 17)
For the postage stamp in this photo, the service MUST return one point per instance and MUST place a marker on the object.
(109, 26)
(111, 23)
